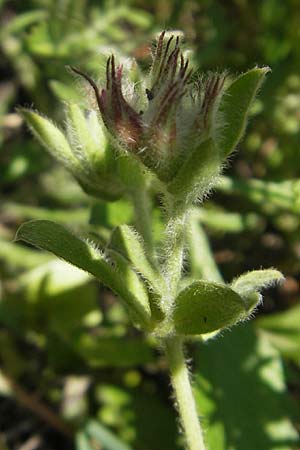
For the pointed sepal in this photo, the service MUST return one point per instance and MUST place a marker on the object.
(234, 108)
(52, 138)
(102, 185)
(87, 137)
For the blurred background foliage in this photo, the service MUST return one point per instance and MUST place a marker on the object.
(73, 373)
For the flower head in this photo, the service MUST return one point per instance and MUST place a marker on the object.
(180, 125)
(178, 113)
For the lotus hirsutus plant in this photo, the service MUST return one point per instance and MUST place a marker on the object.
(167, 132)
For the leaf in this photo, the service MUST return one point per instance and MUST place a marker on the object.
(149, 416)
(130, 279)
(256, 280)
(202, 262)
(52, 138)
(90, 145)
(127, 241)
(53, 294)
(198, 172)
(283, 195)
(283, 331)
(82, 441)
(283, 322)
(110, 215)
(19, 257)
(64, 244)
(241, 393)
(112, 351)
(56, 143)
(106, 438)
(250, 284)
(21, 21)
(234, 108)
(64, 91)
(226, 222)
(22, 211)
(206, 306)
(94, 432)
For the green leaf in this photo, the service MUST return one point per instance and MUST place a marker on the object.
(19, 257)
(234, 108)
(19, 22)
(283, 331)
(106, 438)
(56, 143)
(89, 141)
(96, 433)
(206, 306)
(84, 255)
(100, 351)
(283, 195)
(21, 212)
(198, 172)
(110, 215)
(127, 241)
(201, 260)
(241, 393)
(130, 171)
(52, 138)
(64, 91)
(256, 280)
(106, 188)
(148, 415)
(53, 295)
(82, 441)
(250, 284)
(281, 322)
(227, 222)
(129, 280)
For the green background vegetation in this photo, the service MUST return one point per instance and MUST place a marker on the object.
(73, 371)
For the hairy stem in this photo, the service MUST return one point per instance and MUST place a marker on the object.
(174, 247)
(174, 253)
(142, 211)
(177, 221)
(183, 392)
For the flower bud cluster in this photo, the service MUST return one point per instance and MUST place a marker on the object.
(86, 150)
(178, 115)
(167, 123)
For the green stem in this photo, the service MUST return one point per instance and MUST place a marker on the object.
(174, 248)
(142, 211)
(184, 394)
(172, 264)
(174, 253)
